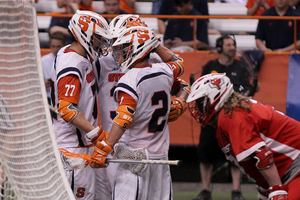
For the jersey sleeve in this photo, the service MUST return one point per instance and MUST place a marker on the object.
(69, 88)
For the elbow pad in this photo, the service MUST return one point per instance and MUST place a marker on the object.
(125, 115)
(264, 158)
(67, 110)
(179, 85)
(178, 61)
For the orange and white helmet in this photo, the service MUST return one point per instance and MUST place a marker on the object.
(122, 22)
(133, 44)
(91, 31)
(208, 95)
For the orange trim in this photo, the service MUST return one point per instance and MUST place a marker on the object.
(126, 99)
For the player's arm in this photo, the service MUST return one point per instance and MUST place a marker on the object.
(122, 121)
(181, 90)
(164, 53)
(69, 88)
(266, 166)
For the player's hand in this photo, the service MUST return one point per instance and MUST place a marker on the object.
(98, 158)
(178, 106)
(278, 192)
(97, 135)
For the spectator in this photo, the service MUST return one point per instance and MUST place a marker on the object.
(262, 142)
(257, 7)
(167, 8)
(277, 35)
(74, 5)
(208, 150)
(57, 41)
(295, 4)
(156, 4)
(128, 6)
(112, 7)
(60, 24)
(177, 39)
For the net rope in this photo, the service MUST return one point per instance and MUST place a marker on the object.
(29, 159)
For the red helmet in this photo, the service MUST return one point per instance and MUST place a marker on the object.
(208, 95)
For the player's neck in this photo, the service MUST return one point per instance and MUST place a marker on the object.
(75, 46)
(142, 63)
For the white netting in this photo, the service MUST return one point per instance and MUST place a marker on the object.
(30, 166)
(122, 151)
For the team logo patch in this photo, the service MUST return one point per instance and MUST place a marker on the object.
(216, 83)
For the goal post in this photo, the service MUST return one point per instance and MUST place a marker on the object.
(30, 164)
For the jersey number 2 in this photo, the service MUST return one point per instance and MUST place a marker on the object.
(159, 112)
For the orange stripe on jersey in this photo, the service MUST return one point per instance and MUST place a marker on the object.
(69, 88)
(126, 99)
(67, 50)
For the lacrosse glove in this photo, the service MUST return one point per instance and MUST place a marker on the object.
(98, 158)
(178, 106)
(277, 192)
(97, 135)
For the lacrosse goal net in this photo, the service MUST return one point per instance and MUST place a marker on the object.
(30, 165)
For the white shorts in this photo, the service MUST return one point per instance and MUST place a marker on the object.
(154, 184)
(89, 183)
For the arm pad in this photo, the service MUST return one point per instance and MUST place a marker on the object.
(178, 85)
(125, 115)
(264, 158)
(178, 61)
(67, 110)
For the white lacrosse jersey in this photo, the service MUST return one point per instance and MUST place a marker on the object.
(108, 76)
(70, 63)
(150, 87)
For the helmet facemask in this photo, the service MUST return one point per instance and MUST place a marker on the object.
(122, 53)
(100, 45)
(202, 110)
(133, 45)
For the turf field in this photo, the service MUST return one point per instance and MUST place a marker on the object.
(187, 191)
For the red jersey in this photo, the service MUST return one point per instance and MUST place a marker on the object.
(244, 132)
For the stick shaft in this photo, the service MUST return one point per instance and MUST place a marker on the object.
(158, 162)
(53, 109)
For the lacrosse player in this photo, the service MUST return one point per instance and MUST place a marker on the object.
(262, 142)
(109, 75)
(74, 96)
(144, 99)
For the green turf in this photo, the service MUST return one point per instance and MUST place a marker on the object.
(189, 195)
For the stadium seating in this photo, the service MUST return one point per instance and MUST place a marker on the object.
(225, 26)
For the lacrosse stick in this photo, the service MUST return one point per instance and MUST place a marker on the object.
(73, 161)
(293, 176)
(53, 109)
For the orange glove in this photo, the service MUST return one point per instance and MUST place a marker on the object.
(97, 135)
(98, 158)
(178, 107)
